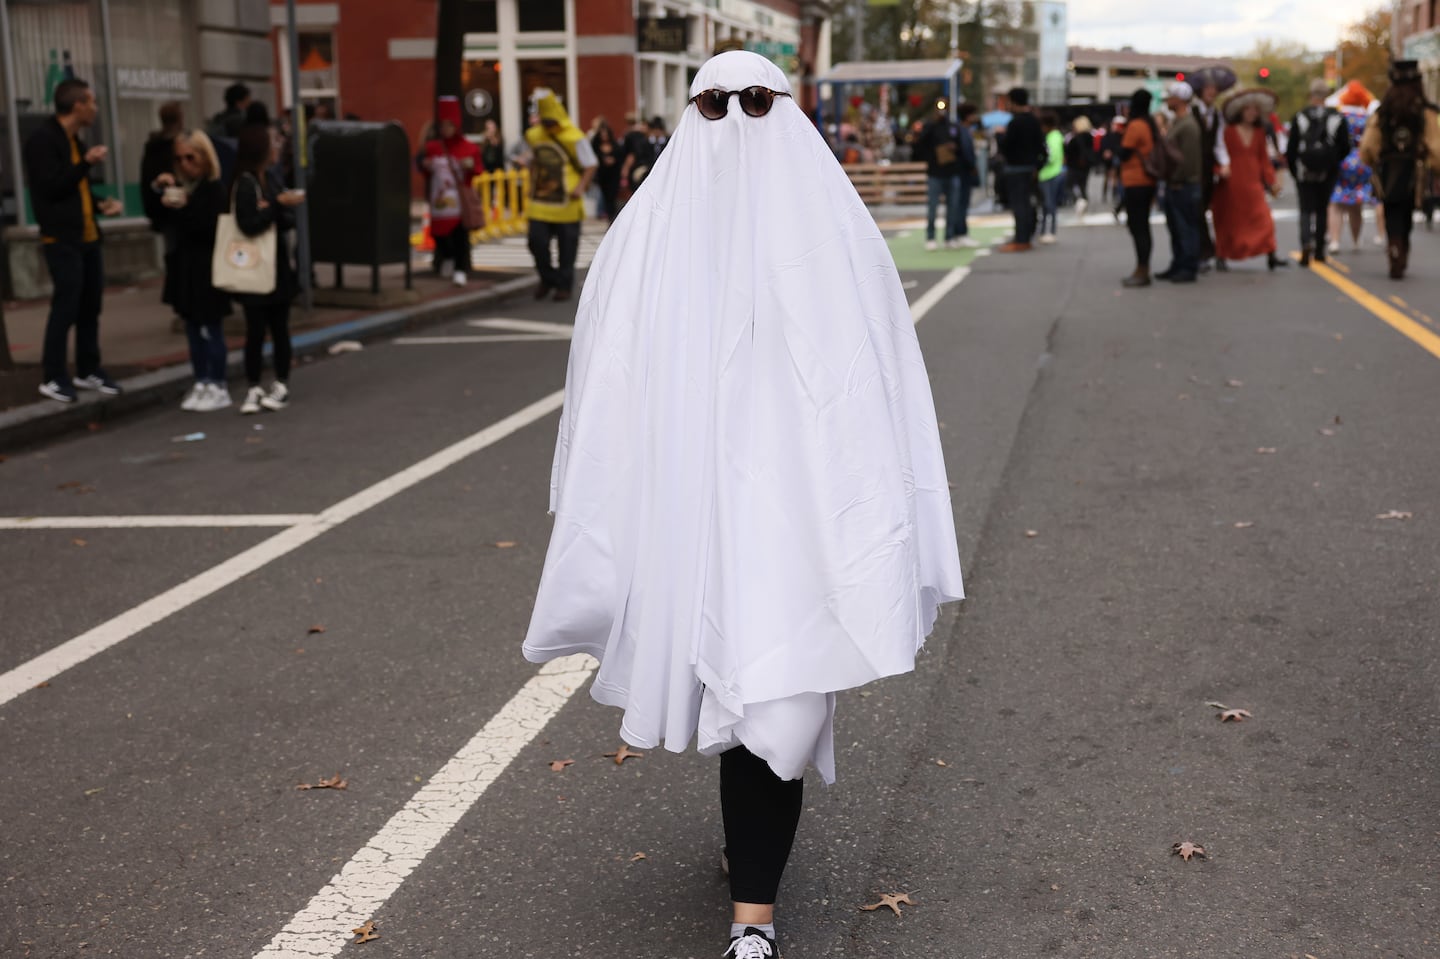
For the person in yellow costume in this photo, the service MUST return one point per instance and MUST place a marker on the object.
(562, 165)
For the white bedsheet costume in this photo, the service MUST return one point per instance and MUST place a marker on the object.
(751, 509)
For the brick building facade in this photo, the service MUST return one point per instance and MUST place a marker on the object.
(604, 57)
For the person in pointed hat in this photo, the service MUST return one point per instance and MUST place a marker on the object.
(1401, 144)
(450, 163)
(750, 499)
(562, 164)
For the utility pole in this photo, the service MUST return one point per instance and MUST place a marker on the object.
(857, 39)
(449, 47)
(300, 138)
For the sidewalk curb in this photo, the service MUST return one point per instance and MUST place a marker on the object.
(47, 419)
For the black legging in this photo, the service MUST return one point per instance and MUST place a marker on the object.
(1138, 200)
(761, 812)
(273, 318)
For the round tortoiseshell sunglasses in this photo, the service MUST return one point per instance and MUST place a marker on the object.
(755, 101)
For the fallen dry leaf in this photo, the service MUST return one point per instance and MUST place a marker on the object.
(1265, 449)
(334, 782)
(1031, 533)
(941, 762)
(314, 629)
(504, 544)
(1395, 514)
(366, 932)
(81, 542)
(1244, 524)
(1234, 384)
(1187, 849)
(891, 900)
(637, 857)
(622, 754)
(1234, 715)
(558, 764)
(1326, 431)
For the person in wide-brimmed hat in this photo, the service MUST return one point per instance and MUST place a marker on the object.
(1400, 144)
(1243, 224)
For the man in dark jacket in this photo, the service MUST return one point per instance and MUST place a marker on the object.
(948, 164)
(57, 166)
(1023, 147)
(1319, 143)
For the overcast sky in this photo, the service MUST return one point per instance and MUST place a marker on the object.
(1210, 27)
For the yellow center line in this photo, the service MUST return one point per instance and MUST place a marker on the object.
(1402, 323)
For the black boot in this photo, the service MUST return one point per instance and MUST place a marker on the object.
(1304, 257)
(1221, 266)
(1272, 261)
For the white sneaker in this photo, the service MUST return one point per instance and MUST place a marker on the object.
(1379, 240)
(277, 399)
(192, 398)
(1334, 247)
(931, 245)
(966, 242)
(215, 397)
(1081, 205)
(460, 278)
(253, 396)
(1048, 238)
(952, 244)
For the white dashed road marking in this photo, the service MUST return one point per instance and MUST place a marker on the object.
(48, 665)
(371, 877)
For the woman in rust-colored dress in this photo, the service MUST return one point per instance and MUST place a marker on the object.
(1243, 224)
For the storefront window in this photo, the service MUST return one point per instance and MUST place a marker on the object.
(548, 73)
(538, 15)
(480, 80)
(319, 84)
(151, 45)
(52, 42)
(479, 17)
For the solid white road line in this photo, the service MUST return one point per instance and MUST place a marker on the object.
(565, 330)
(370, 878)
(497, 338)
(936, 293)
(150, 522)
(75, 651)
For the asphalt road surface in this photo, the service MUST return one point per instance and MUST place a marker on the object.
(1165, 498)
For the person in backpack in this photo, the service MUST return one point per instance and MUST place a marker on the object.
(1401, 142)
(1319, 142)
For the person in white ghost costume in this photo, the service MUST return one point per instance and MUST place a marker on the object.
(751, 508)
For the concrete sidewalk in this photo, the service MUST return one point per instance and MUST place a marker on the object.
(144, 348)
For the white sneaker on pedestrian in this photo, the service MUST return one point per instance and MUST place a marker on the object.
(931, 245)
(1334, 247)
(215, 397)
(952, 244)
(967, 242)
(277, 399)
(1379, 240)
(188, 404)
(1048, 238)
(1081, 205)
(253, 396)
(460, 279)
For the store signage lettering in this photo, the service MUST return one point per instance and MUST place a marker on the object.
(144, 82)
(661, 34)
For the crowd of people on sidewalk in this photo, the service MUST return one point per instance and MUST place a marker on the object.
(194, 184)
